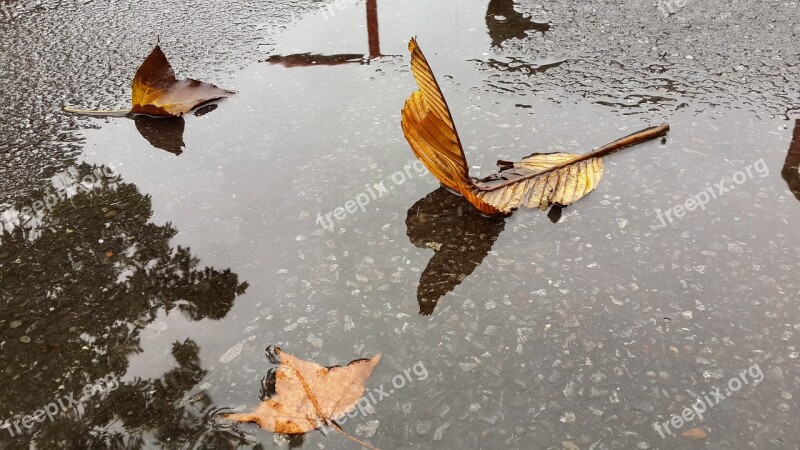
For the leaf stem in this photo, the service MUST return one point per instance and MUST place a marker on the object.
(340, 430)
(627, 141)
(99, 112)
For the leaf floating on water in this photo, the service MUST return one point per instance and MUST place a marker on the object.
(430, 130)
(560, 183)
(157, 92)
(538, 181)
(305, 396)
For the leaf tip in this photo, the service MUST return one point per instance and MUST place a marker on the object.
(274, 354)
(412, 44)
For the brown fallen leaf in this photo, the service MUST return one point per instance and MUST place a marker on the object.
(308, 396)
(157, 92)
(538, 181)
(694, 434)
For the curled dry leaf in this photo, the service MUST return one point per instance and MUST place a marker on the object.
(308, 396)
(157, 92)
(538, 181)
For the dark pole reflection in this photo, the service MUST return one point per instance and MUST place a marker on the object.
(372, 29)
(312, 59)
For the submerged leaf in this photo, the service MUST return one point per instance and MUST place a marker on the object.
(695, 434)
(304, 396)
(538, 181)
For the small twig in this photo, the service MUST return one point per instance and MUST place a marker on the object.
(98, 112)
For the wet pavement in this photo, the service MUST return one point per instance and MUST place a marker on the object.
(197, 242)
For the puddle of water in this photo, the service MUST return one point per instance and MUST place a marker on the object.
(533, 334)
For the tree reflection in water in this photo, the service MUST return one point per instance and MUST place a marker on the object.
(75, 295)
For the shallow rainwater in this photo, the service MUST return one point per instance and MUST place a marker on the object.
(217, 237)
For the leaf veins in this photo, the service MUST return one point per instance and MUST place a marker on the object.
(538, 181)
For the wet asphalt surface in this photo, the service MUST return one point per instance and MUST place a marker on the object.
(197, 242)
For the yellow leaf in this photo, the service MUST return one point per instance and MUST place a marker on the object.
(538, 181)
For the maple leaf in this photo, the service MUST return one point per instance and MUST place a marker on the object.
(540, 180)
(155, 91)
(308, 396)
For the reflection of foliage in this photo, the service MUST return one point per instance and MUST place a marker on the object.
(460, 237)
(153, 406)
(505, 22)
(790, 170)
(165, 133)
(74, 301)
